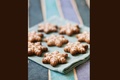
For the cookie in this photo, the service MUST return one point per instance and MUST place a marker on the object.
(47, 28)
(54, 58)
(84, 37)
(69, 29)
(36, 49)
(56, 40)
(34, 36)
(76, 48)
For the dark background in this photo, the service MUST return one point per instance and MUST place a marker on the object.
(104, 40)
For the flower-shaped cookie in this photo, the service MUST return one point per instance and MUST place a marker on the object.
(34, 36)
(54, 58)
(69, 29)
(47, 27)
(36, 49)
(84, 37)
(76, 48)
(56, 40)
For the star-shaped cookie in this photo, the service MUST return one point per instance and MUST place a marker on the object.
(47, 28)
(56, 40)
(69, 29)
(36, 49)
(34, 36)
(84, 37)
(76, 48)
(54, 58)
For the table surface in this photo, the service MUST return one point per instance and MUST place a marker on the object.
(74, 10)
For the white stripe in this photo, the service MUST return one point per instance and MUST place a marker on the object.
(75, 75)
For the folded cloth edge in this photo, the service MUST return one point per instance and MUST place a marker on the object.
(72, 66)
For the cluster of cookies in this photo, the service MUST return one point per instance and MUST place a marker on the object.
(36, 48)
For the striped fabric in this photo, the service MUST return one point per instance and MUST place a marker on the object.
(73, 10)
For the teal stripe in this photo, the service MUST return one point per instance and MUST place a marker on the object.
(58, 76)
(51, 10)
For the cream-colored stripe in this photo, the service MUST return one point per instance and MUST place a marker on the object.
(76, 10)
(88, 3)
(59, 8)
(49, 75)
(43, 9)
(75, 74)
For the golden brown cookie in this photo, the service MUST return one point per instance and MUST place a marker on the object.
(56, 40)
(69, 29)
(84, 37)
(34, 36)
(54, 58)
(76, 48)
(47, 27)
(36, 49)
